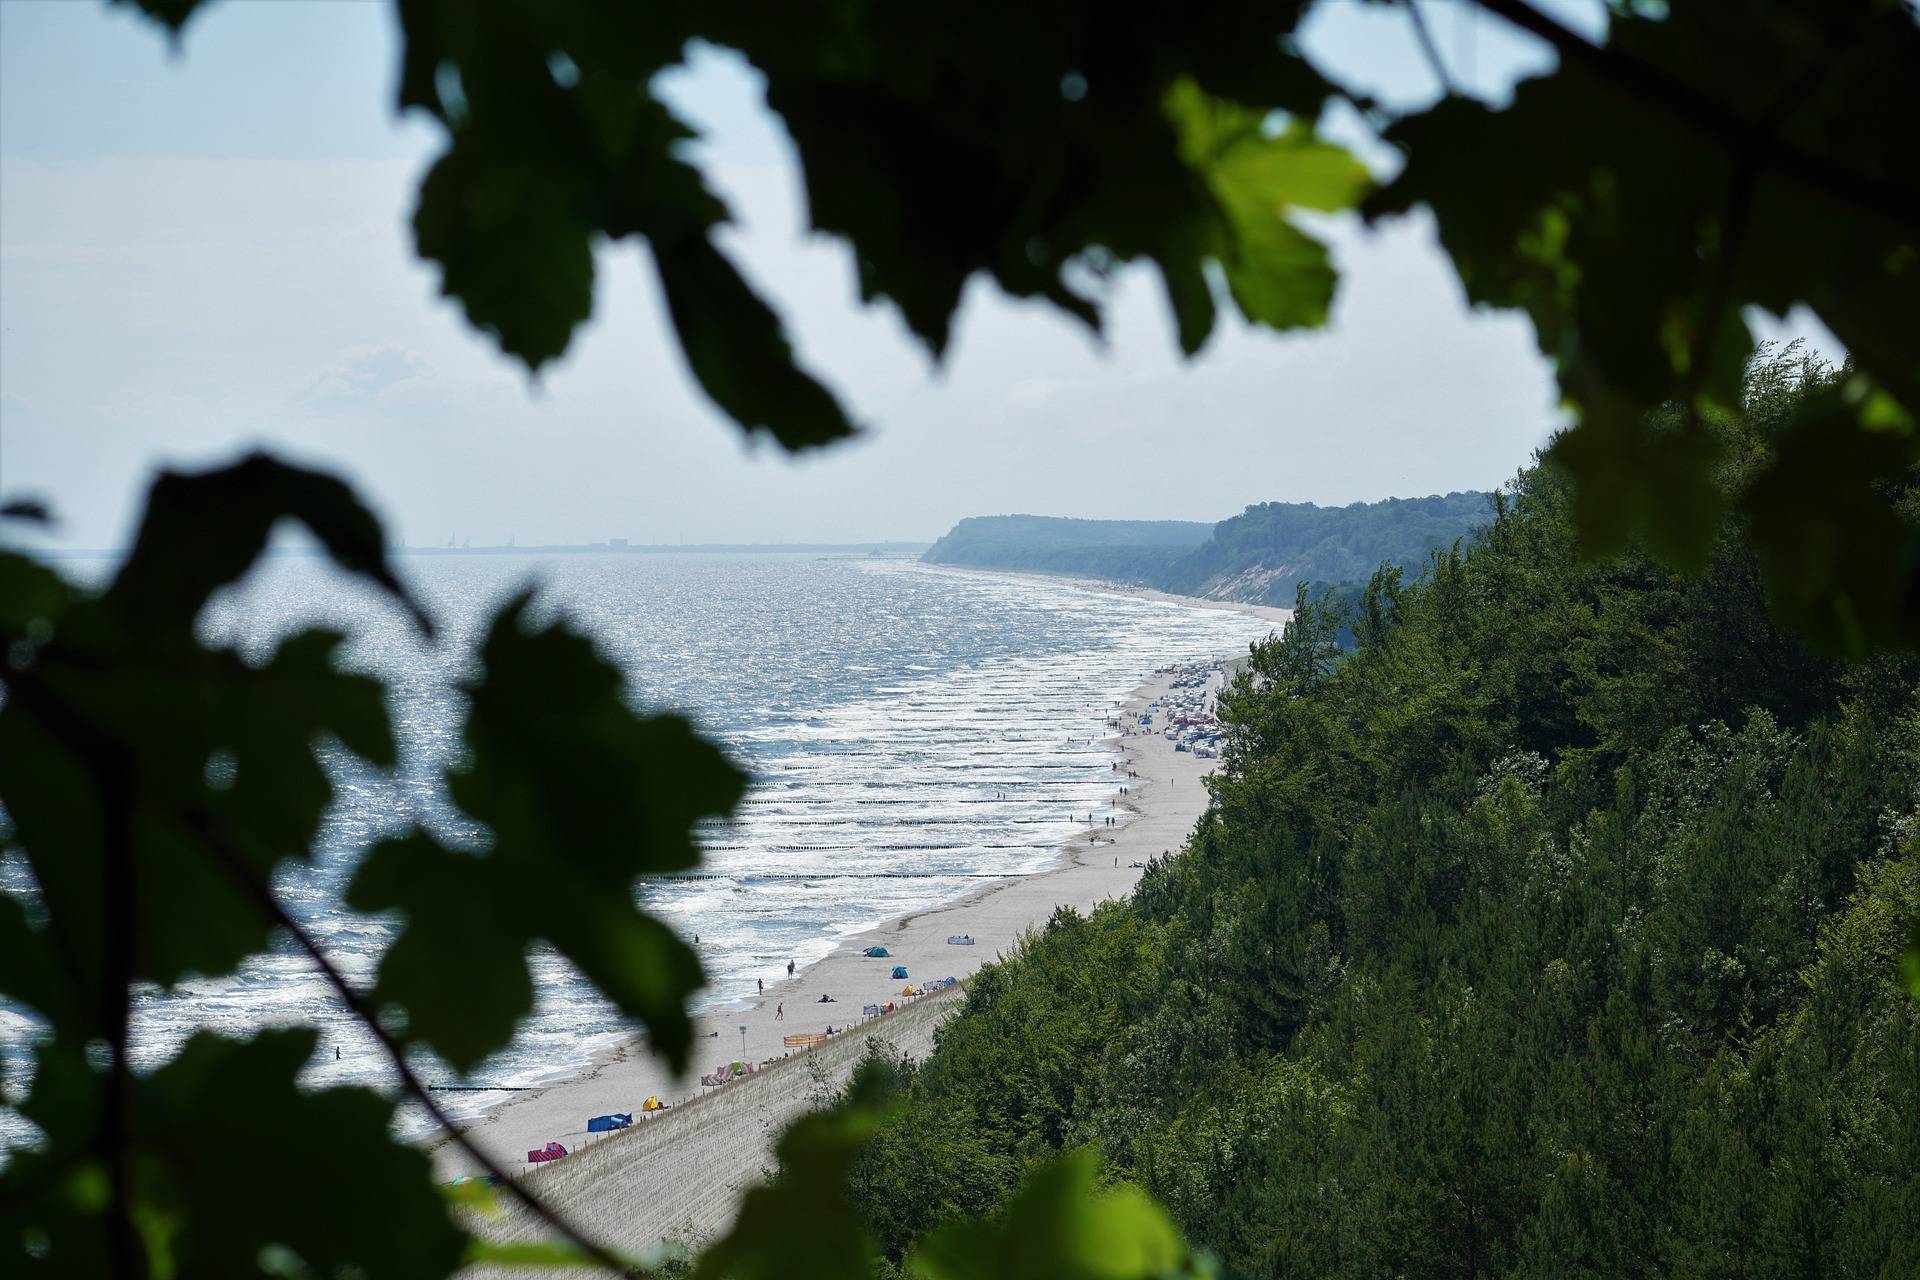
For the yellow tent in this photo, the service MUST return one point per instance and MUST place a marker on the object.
(651, 1104)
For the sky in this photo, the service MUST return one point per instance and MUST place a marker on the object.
(204, 249)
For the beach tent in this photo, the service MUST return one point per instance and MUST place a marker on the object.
(908, 991)
(899, 971)
(652, 1104)
(607, 1124)
(552, 1151)
(876, 952)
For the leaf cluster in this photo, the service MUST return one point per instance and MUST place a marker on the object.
(1699, 160)
(155, 784)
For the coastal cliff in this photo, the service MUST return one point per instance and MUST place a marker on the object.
(1257, 557)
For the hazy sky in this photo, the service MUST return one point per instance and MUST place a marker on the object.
(207, 250)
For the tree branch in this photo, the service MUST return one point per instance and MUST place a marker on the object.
(1427, 46)
(263, 895)
(1736, 132)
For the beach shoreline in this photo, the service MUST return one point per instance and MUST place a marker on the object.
(688, 1165)
(1151, 819)
(1272, 613)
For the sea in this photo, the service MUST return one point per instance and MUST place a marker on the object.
(910, 731)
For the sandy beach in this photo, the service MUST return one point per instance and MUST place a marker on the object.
(1272, 613)
(680, 1174)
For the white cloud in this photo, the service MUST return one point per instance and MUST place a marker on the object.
(363, 373)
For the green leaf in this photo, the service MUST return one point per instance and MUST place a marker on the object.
(801, 1223)
(53, 1192)
(1649, 478)
(190, 765)
(1633, 232)
(1842, 567)
(32, 600)
(735, 347)
(1278, 275)
(459, 967)
(230, 1156)
(240, 1154)
(220, 1099)
(511, 250)
(29, 968)
(181, 556)
(1059, 1226)
(1010, 143)
(582, 796)
(538, 169)
(135, 761)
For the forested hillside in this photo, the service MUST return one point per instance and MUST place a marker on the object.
(1264, 553)
(1122, 550)
(1259, 556)
(1553, 931)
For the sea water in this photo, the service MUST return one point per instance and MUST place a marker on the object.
(909, 730)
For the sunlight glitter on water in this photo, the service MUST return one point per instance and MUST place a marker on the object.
(909, 731)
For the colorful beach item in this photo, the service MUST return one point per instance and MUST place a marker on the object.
(606, 1124)
(552, 1151)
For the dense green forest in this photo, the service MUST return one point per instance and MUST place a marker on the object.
(1554, 930)
(1260, 556)
(1269, 550)
(1122, 550)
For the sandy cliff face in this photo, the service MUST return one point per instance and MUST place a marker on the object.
(1255, 584)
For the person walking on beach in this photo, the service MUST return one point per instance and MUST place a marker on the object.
(762, 984)
(789, 968)
(779, 1011)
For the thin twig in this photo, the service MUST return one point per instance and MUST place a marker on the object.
(418, 1091)
(1425, 37)
(1734, 131)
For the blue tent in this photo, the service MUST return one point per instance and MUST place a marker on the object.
(606, 1124)
(899, 971)
(876, 952)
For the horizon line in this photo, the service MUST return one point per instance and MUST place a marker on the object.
(864, 546)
